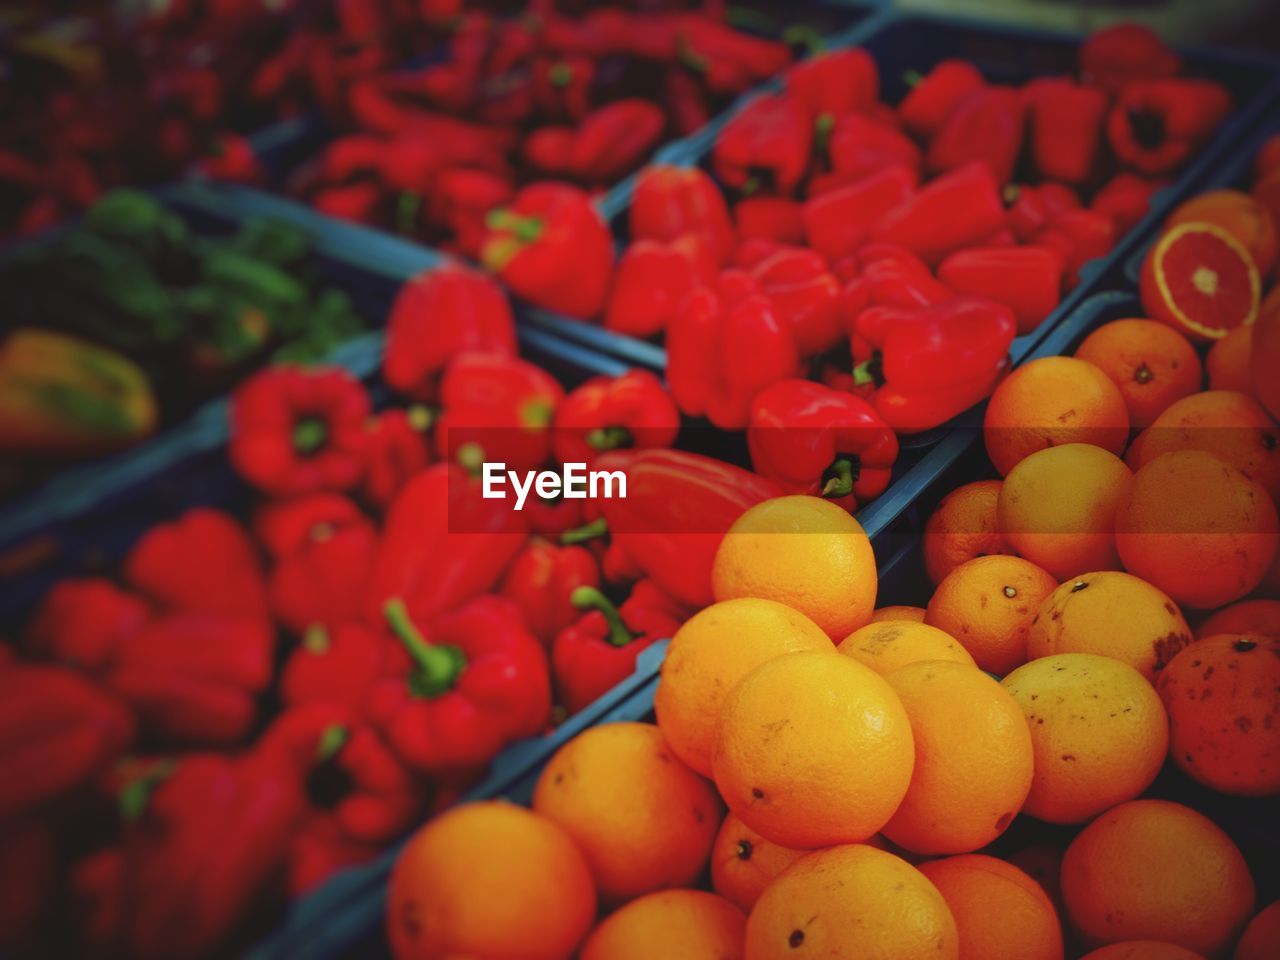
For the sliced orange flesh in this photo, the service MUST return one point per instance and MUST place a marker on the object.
(1206, 278)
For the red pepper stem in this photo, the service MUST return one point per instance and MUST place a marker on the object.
(332, 739)
(912, 78)
(133, 798)
(407, 206)
(309, 435)
(588, 531)
(864, 373)
(315, 639)
(822, 127)
(438, 666)
(589, 598)
(803, 35)
(608, 438)
(420, 417)
(560, 74)
(524, 229)
(841, 479)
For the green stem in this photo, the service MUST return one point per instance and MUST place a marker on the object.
(470, 457)
(608, 438)
(560, 74)
(588, 531)
(868, 371)
(309, 435)
(420, 417)
(407, 207)
(437, 667)
(333, 739)
(803, 35)
(525, 229)
(589, 598)
(841, 477)
(135, 795)
(316, 639)
(912, 78)
(822, 127)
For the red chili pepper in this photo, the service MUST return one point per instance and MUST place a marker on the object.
(632, 410)
(562, 86)
(833, 84)
(684, 101)
(986, 126)
(540, 581)
(479, 683)
(612, 141)
(652, 280)
(671, 202)
(442, 544)
(437, 315)
(1035, 207)
(232, 159)
(775, 218)
(1065, 126)
(389, 104)
(958, 209)
(932, 97)
(1156, 125)
(723, 347)
(861, 146)
(1027, 280)
(729, 60)
(283, 526)
(677, 509)
(804, 295)
(1079, 236)
(1116, 56)
(339, 665)
(322, 582)
(57, 731)
(398, 451)
(836, 223)
(203, 562)
(765, 146)
(297, 430)
(552, 248)
(1125, 199)
(358, 202)
(548, 151)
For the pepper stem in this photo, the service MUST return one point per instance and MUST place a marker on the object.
(133, 798)
(333, 739)
(420, 417)
(912, 78)
(524, 229)
(470, 457)
(803, 35)
(608, 438)
(407, 206)
(841, 477)
(309, 435)
(315, 639)
(437, 666)
(560, 74)
(822, 127)
(589, 598)
(588, 531)
(866, 372)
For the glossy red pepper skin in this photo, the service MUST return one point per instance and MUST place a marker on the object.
(672, 202)
(480, 682)
(296, 431)
(1035, 207)
(821, 442)
(612, 141)
(283, 526)
(717, 51)
(540, 581)
(894, 277)
(632, 410)
(57, 731)
(398, 449)
(1114, 57)
(1155, 126)
(765, 146)
(1065, 128)
(460, 201)
(723, 347)
(933, 96)
(1125, 199)
(322, 582)
(987, 127)
(551, 247)
(339, 665)
(442, 544)
(956, 210)
(832, 84)
(836, 223)
(910, 412)
(805, 295)
(861, 146)
(1026, 279)
(496, 409)
(548, 151)
(677, 509)
(652, 280)
(562, 86)
(1079, 236)
(775, 218)
(437, 315)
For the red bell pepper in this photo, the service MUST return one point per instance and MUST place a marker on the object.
(480, 683)
(821, 442)
(932, 97)
(297, 431)
(751, 253)
(722, 348)
(283, 526)
(398, 451)
(548, 151)
(932, 363)
(57, 731)
(1027, 280)
(1156, 125)
(1117, 56)
(836, 223)
(722, 51)
(540, 581)
(765, 146)
(958, 209)
(1065, 128)
(833, 84)
(599, 650)
(562, 86)
(684, 101)
(442, 544)
(1079, 236)
(775, 218)
(498, 409)
(632, 409)
(232, 159)
(805, 295)
(652, 280)
(339, 665)
(861, 146)
(1033, 208)
(437, 315)
(203, 562)
(323, 581)
(677, 509)
(551, 247)
(672, 202)
(891, 277)
(460, 201)
(1125, 199)
(612, 141)
(987, 127)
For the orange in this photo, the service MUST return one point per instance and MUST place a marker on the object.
(884, 647)
(1112, 614)
(642, 818)
(1000, 912)
(805, 552)
(1227, 362)
(1201, 281)
(1043, 864)
(1142, 950)
(1152, 364)
(988, 605)
(1264, 359)
(743, 863)
(1261, 939)
(1151, 868)
(674, 924)
(1098, 730)
(961, 527)
(710, 653)
(973, 759)
(1247, 616)
(489, 879)
(898, 612)
(1239, 215)
(1049, 402)
(851, 902)
(1230, 425)
(1196, 528)
(1058, 508)
(1224, 714)
(813, 749)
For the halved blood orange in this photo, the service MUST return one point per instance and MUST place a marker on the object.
(1200, 279)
